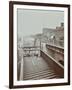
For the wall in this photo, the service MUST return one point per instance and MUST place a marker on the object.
(4, 45)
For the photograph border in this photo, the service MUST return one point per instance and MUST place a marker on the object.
(11, 36)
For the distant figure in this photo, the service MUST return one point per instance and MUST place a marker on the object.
(53, 39)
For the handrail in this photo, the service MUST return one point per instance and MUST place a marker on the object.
(56, 50)
(55, 46)
(32, 47)
(53, 60)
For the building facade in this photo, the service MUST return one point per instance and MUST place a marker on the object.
(55, 36)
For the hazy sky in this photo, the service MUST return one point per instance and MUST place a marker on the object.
(33, 21)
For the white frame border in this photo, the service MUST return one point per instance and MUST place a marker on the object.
(50, 81)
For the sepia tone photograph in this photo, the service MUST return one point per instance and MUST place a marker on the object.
(39, 44)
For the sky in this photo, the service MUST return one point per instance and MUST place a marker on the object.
(31, 22)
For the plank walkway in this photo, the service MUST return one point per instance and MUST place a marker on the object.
(35, 68)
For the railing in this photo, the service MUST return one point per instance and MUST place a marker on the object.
(55, 48)
(59, 43)
(34, 50)
(56, 52)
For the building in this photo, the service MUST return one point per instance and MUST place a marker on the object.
(55, 36)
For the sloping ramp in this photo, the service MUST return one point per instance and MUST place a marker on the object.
(35, 68)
